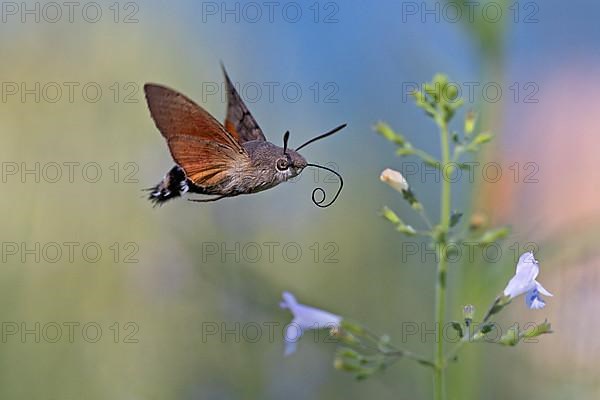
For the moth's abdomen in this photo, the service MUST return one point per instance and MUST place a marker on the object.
(174, 184)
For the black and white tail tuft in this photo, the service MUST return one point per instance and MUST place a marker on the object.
(174, 184)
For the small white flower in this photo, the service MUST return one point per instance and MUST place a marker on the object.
(394, 179)
(524, 282)
(305, 317)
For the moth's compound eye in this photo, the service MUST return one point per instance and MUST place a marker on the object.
(282, 164)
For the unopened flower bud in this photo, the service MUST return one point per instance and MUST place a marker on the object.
(468, 313)
(470, 120)
(511, 337)
(394, 179)
(537, 330)
(478, 220)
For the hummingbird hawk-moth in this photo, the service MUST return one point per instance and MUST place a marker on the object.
(222, 160)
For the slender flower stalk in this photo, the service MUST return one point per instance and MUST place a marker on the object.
(442, 267)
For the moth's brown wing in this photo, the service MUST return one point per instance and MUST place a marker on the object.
(175, 115)
(239, 122)
(207, 163)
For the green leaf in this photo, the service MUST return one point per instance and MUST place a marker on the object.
(487, 328)
(450, 93)
(347, 338)
(395, 219)
(493, 235)
(422, 102)
(534, 331)
(440, 80)
(455, 218)
(387, 132)
(455, 137)
(483, 138)
(479, 140)
(345, 364)
(348, 325)
(347, 352)
(458, 328)
(433, 90)
(450, 109)
(406, 229)
(390, 216)
(412, 199)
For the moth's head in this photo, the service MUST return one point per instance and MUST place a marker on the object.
(277, 164)
(289, 163)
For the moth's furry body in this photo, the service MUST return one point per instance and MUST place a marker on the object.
(262, 175)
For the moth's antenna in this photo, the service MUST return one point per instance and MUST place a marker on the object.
(286, 137)
(331, 132)
(319, 203)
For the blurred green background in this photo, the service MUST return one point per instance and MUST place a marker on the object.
(156, 285)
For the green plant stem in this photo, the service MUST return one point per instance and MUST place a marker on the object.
(440, 292)
(394, 351)
(411, 356)
(426, 157)
(452, 353)
(425, 218)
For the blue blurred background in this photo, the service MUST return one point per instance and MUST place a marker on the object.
(158, 282)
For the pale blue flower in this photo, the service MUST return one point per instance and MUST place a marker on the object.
(524, 282)
(305, 318)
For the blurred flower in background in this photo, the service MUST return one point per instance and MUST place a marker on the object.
(305, 318)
